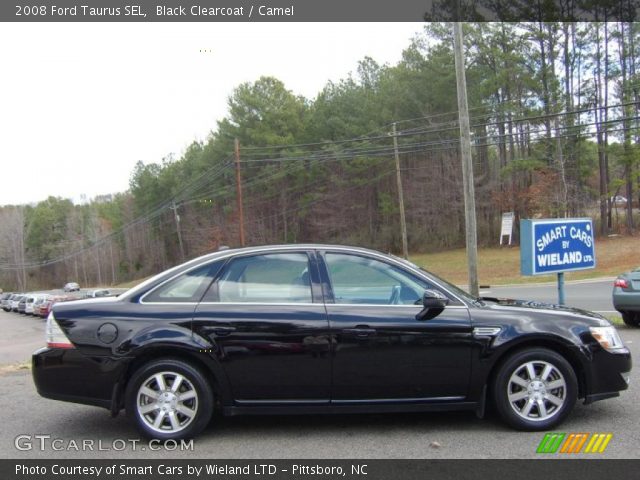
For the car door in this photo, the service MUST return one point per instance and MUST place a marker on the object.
(266, 316)
(382, 352)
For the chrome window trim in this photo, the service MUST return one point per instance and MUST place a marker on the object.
(171, 303)
(378, 305)
(306, 304)
(280, 304)
(303, 249)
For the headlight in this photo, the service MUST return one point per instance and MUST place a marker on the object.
(607, 337)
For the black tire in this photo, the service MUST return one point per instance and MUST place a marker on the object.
(193, 383)
(631, 319)
(543, 412)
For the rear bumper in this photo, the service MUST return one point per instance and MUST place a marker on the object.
(68, 375)
(629, 301)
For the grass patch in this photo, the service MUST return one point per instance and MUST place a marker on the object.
(501, 265)
(615, 319)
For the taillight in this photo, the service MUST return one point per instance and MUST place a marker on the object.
(621, 282)
(55, 336)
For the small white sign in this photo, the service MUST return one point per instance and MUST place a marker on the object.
(507, 226)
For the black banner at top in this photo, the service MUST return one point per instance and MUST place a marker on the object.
(317, 10)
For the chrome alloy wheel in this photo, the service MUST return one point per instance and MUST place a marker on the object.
(167, 402)
(537, 390)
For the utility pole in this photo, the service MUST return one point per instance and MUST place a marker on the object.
(177, 217)
(239, 192)
(467, 165)
(113, 265)
(403, 222)
(94, 230)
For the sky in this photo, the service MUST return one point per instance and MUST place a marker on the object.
(80, 104)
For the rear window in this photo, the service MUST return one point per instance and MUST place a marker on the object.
(188, 287)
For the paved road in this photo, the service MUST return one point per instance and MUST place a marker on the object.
(21, 335)
(592, 295)
(435, 435)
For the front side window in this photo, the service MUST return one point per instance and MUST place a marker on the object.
(188, 287)
(362, 280)
(270, 278)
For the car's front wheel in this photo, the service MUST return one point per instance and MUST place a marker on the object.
(535, 389)
(631, 319)
(169, 399)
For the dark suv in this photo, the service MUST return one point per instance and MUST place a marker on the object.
(321, 329)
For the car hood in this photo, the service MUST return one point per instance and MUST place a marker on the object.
(551, 308)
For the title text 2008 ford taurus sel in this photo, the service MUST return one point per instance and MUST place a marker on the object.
(318, 328)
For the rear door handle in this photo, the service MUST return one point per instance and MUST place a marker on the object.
(360, 331)
(221, 331)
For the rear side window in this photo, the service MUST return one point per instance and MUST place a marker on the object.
(271, 278)
(188, 287)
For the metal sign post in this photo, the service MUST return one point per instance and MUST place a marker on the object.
(556, 246)
(561, 288)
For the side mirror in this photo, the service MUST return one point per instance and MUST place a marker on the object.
(433, 303)
(434, 299)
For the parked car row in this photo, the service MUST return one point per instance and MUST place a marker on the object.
(39, 304)
(35, 303)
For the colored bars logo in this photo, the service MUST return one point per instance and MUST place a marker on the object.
(573, 443)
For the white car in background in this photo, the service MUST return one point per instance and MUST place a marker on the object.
(71, 287)
(101, 292)
(28, 304)
(15, 301)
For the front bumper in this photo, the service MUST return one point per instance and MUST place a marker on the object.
(608, 374)
(68, 375)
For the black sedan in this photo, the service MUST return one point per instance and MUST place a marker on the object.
(321, 329)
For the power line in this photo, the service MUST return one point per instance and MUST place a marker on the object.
(187, 193)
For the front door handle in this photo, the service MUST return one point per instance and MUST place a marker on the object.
(363, 331)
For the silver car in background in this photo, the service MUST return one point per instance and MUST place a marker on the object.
(626, 297)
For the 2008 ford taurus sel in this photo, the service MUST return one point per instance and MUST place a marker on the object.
(318, 329)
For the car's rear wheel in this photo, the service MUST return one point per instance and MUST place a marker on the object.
(631, 319)
(535, 389)
(169, 398)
